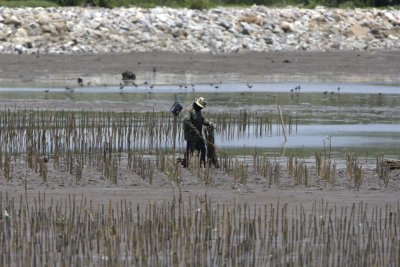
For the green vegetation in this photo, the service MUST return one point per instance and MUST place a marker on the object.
(28, 3)
(201, 4)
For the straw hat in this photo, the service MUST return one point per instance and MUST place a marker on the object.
(201, 102)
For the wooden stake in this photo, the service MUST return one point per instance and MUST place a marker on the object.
(175, 128)
(283, 123)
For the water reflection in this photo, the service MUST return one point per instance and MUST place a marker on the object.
(318, 136)
(352, 116)
(325, 88)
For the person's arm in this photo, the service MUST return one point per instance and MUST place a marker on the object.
(207, 122)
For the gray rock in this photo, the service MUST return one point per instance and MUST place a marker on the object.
(246, 28)
(268, 40)
(34, 29)
(220, 30)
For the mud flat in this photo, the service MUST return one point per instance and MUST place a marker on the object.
(173, 68)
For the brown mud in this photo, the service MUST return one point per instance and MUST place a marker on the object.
(50, 70)
(335, 66)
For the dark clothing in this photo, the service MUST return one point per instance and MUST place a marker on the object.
(196, 145)
(193, 133)
(193, 124)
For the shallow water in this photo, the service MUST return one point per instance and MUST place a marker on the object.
(384, 136)
(345, 117)
(219, 87)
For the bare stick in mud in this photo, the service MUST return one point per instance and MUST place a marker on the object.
(282, 122)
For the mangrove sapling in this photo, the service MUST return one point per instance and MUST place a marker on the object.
(174, 173)
(326, 169)
(42, 167)
(73, 232)
(263, 166)
(7, 168)
(327, 143)
(354, 170)
(382, 170)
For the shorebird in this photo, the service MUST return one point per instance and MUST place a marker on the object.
(70, 89)
(80, 81)
(249, 86)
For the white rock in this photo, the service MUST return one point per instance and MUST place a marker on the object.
(19, 49)
(286, 26)
(20, 32)
(219, 30)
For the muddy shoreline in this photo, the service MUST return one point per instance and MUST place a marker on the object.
(171, 68)
(62, 70)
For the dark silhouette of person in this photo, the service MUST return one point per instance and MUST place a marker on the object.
(193, 131)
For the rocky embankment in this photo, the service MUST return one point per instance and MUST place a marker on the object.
(220, 30)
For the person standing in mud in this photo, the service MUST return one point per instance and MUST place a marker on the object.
(193, 131)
